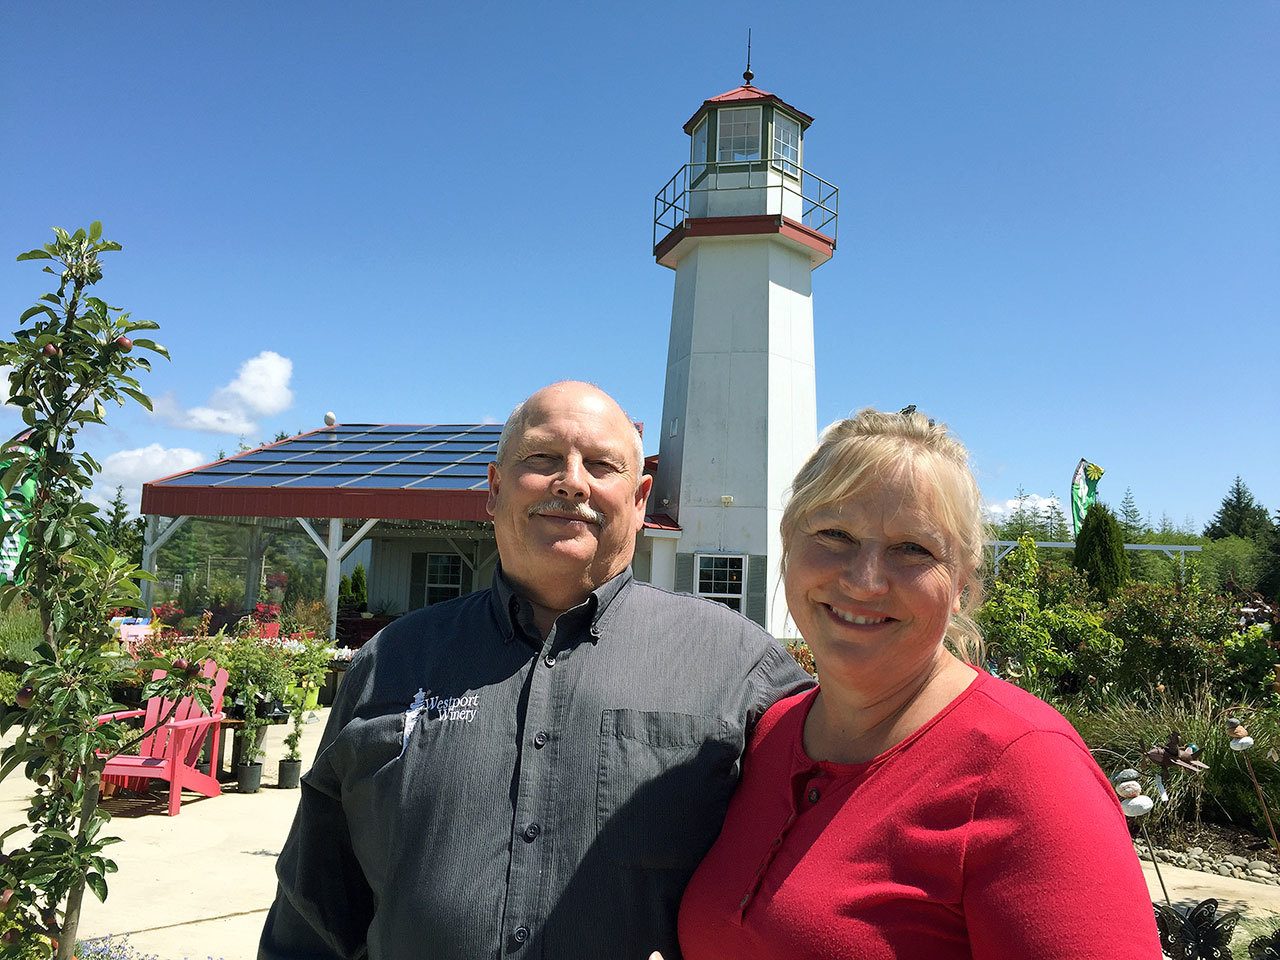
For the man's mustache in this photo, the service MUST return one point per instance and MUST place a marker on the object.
(567, 508)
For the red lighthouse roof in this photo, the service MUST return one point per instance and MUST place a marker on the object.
(745, 94)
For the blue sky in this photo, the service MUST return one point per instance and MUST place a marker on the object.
(1059, 230)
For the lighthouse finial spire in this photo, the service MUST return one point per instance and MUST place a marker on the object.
(747, 75)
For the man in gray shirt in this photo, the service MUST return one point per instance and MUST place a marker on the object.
(533, 770)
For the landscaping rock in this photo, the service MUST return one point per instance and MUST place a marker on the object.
(1255, 866)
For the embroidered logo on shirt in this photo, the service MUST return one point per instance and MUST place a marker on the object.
(453, 709)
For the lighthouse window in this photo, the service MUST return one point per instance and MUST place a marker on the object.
(786, 144)
(699, 156)
(739, 134)
(722, 579)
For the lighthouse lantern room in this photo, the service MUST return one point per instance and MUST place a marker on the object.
(743, 224)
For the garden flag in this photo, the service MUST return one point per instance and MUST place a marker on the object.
(1084, 490)
(11, 508)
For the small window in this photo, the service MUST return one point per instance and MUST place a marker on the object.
(739, 134)
(435, 577)
(723, 579)
(786, 144)
(698, 156)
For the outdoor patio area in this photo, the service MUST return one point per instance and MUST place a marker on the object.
(199, 884)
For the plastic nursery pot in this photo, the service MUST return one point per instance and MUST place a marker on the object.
(249, 777)
(290, 773)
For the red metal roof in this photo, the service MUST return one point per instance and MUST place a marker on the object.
(746, 94)
(660, 521)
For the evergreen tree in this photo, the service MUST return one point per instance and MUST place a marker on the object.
(1131, 518)
(1054, 522)
(359, 588)
(119, 532)
(1269, 581)
(1099, 553)
(1239, 516)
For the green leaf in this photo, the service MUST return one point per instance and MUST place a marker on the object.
(138, 395)
(98, 885)
(152, 346)
(35, 255)
(110, 245)
(38, 308)
(95, 230)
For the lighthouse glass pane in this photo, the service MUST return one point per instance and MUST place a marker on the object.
(698, 155)
(722, 579)
(786, 144)
(739, 134)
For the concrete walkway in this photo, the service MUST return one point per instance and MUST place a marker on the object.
(199, 884)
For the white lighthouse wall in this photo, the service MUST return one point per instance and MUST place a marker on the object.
(740, 380)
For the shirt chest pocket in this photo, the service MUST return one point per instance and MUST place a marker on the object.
(664, 784)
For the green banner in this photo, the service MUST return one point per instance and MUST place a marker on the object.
(1084, 491)
(15, 506)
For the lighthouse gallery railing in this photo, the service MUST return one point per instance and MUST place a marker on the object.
(781, 186)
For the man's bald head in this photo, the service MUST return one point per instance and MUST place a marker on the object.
(588, 392)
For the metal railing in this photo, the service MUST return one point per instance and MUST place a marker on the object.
(782, 186)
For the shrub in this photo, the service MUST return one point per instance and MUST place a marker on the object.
(1222, 794)
(20, 632)
(9, 683)
(803, 655)
(1039, 631)
(359, 588)
(1099, 552)
(1175, 635)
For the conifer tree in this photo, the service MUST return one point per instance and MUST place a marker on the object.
(1239, 516)
(1099, 553)
(1130, 517)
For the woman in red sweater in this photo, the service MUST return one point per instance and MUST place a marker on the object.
(913, 806)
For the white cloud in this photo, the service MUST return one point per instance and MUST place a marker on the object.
(130, 469)
(1032, 503)
(262, 385)
(261, 388)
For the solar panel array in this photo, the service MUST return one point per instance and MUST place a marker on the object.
(361, 456)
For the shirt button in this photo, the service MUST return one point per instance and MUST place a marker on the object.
(521, 934)
(550, 660)
(814, 795)
(540, 739)
(777, 842)
(531, 832)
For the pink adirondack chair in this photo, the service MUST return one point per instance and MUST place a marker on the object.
(170, 752)
(270, 631)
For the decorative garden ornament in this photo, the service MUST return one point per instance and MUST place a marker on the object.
(1174, 754)
(1241, 743)
(1199, 934)
(1135, 805)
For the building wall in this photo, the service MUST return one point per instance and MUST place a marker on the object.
(391, 567)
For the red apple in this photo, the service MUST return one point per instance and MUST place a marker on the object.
(24, 697)
(5, 899)
(193, 669)
(124, 343)
(180, 665)
(50, 350)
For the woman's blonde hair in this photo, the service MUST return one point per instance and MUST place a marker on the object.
(877, 447)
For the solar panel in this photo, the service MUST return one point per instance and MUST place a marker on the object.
(364, 456)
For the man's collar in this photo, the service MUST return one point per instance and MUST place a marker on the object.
(508, 602)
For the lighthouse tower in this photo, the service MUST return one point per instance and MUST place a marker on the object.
(743, 224)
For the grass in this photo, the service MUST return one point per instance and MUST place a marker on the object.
(19, 633)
